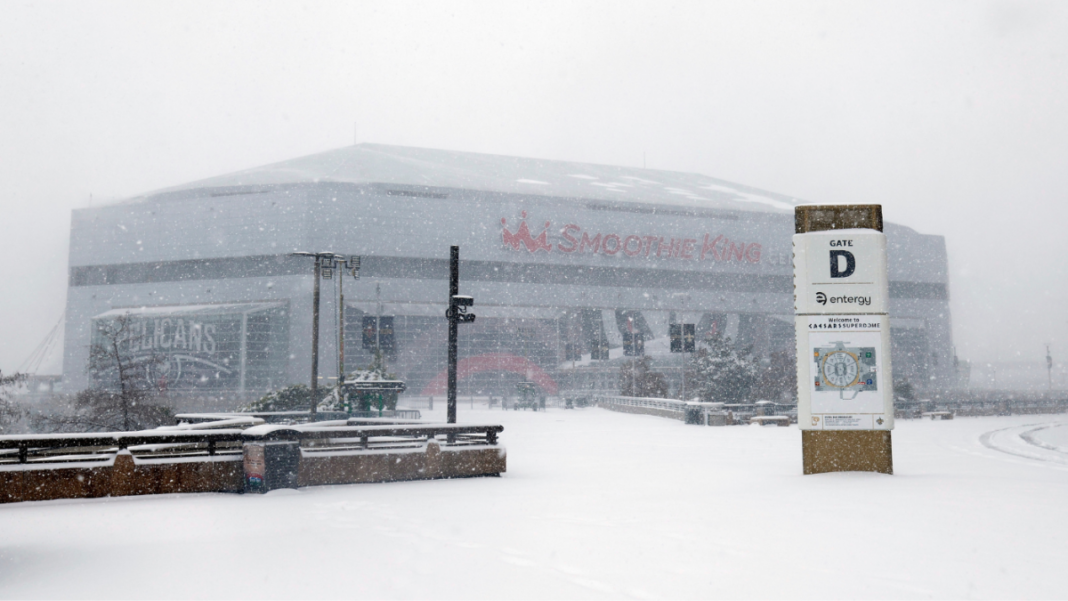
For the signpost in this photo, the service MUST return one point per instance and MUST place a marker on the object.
(683, 337)
(633, 344)
(845, 405)
(683, 340)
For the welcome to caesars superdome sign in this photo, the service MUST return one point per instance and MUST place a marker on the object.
(576, 239)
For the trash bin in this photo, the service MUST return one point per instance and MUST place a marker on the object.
(695, 414)
(271, 465)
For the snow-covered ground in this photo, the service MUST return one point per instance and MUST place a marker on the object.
(595, 505)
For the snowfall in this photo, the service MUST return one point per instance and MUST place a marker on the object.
(594, 505)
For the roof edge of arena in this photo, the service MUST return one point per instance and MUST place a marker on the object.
(383, 164)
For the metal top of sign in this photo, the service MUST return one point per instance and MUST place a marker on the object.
(818, 218)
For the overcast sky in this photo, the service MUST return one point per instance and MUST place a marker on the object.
(952, 115)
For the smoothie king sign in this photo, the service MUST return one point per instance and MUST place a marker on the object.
(577, 239)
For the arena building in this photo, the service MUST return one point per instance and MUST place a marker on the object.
(562, 259)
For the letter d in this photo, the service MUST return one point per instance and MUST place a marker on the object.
(851, 264)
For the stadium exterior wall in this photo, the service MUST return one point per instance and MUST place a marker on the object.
(529, 260)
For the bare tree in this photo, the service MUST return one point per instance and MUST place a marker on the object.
(636, 379)
(10, 412)
(777, 378)
(122, 394)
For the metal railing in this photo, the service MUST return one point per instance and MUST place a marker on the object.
(101, 447)
(291, 417)
(646, 402)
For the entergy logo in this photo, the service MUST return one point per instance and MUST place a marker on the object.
(821, 298)
(522, 236)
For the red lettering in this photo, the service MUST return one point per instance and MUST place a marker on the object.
(710, 247)
(615, 248)
(720, 248)
(569, 238)
(595, 244)
(736, 251)
(752, 253)
(648, 243)
(687, 248)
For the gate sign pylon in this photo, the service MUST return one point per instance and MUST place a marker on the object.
(845, 401)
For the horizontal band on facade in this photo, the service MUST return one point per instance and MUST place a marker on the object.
(477, 271)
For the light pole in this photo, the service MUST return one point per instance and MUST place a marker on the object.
(353, 266)
(325, 263)
(1049, 367)
(456, 314)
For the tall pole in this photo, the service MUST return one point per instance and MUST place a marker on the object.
(1049, 367)
(378, 324)
(454, 289)
(315, 341)
(341, 330)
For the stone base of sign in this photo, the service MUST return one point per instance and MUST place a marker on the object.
(847, 451)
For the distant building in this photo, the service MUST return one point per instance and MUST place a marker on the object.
(559, 257)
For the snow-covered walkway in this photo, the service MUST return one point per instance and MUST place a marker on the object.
(594, 505)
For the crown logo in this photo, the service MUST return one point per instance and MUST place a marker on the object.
(522, 236)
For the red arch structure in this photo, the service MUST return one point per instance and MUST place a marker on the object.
(492, 362)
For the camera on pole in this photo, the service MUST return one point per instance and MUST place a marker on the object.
(458, 309)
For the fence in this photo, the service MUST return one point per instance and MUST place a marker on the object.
(971, 402)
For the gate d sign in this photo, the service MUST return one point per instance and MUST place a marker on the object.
(845, 393)
(840, 271)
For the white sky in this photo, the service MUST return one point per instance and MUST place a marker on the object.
(952, 115)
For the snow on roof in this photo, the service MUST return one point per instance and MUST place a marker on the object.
(205, 309)
(424, 167)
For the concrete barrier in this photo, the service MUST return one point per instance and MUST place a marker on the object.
(432, 461)
(122, 475)
(78, 466)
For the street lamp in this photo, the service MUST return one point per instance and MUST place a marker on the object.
(456, 314)
(325, 264)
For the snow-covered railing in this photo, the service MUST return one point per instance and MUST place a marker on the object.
(647, 402)
(273, 417)
(692, 412)
(344, 437)
(89, 447)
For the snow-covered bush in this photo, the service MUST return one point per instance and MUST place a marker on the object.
(720, 372)
(296, 397)
(364, 401)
